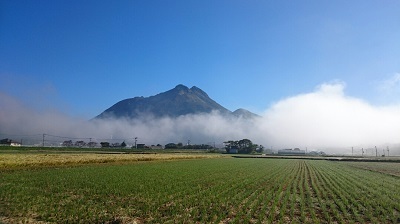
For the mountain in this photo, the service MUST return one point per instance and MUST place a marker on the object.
(173, 103)
(243, 113)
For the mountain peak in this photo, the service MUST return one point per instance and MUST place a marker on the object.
(244, 114)
(181, 87)
(198, 91)
(173, 103)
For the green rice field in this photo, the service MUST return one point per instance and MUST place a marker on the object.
(203, 190)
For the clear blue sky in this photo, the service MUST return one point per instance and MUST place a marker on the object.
(84, 56)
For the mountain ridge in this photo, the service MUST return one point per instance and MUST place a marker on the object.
(175, 102)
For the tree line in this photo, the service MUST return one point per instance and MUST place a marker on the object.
(244, 146)
(188, 146)
(91, 144)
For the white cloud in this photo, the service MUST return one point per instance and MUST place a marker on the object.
(329, 118)
(393, 83)
(390, 88)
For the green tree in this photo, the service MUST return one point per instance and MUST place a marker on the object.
(231, 145)
(244, 146)
(105, 144)
(171, 146)
(123, 144)
(260, 149)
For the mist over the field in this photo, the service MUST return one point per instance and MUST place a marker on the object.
(328, 119)
(325, 119)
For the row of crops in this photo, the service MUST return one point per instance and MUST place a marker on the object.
(222, 190)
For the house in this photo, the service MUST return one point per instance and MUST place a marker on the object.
(141, 146)
(156, 147)
(9, 142)
(15, 144)
(92, 144)
(317, 153)
(291, 152)
(233, 151)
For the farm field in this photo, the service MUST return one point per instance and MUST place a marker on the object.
(208, 190)
(388, 168)
(39, 159)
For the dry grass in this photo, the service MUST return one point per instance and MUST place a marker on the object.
(15, 161)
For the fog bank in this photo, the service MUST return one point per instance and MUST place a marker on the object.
(327, 118)
(324, 119)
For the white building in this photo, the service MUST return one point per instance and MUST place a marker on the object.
(291, 152)
(15, 144)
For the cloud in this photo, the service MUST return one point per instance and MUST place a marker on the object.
(327, 118)
(389, 89)
(324, 119)
(391, 84)
(19, 121)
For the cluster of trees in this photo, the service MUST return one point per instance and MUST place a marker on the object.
(244, 146)
(5, 141)
(91, 144)
(113, 145)
(69, 143)
(181, 146)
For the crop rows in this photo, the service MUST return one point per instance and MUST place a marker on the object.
(382, 167)
(219, 190)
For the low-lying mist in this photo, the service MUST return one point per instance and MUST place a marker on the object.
(325, 119)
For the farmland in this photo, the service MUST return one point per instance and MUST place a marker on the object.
(203, 190)
(37, 160)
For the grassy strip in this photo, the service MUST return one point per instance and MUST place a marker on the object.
(9, 161)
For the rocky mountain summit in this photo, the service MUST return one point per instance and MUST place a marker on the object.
(176, 102)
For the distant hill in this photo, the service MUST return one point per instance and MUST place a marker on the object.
(243, 113)
(178, 101)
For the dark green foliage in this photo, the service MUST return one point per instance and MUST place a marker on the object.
(171, 146)
(244, 146)
(5, 141)
(181, 146)
(201, 146)
(105, 144)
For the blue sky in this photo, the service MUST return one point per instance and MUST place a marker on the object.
(81, 57)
